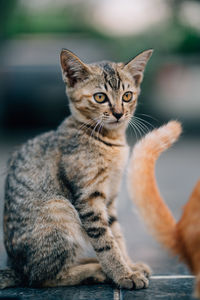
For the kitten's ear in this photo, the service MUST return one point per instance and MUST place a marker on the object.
(137, 65)
(73, 68)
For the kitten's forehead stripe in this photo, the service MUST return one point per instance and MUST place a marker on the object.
(119, 80)
(109, 69)
(111, 76)
(105, 86)
(112, 83)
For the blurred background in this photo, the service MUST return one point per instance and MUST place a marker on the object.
(32, 33)
(32, 94)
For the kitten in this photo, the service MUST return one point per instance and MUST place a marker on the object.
(61, 186)
(181, 238)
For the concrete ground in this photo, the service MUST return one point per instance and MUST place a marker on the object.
(177, 172)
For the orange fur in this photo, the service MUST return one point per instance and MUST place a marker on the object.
(182, 238)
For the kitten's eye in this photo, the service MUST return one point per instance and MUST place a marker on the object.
(127, 96)
(100, 97)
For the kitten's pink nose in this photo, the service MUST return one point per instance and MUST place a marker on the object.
(117, 115)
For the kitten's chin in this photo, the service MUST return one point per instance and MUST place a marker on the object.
(115, 125)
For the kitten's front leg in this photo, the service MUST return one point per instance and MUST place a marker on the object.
(116, 229)
(118, 235)
(93, 214)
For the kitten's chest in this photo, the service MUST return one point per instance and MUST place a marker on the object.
(119, 158)
(116, 164)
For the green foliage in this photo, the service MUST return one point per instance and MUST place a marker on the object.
(68, 19)
(168, 37)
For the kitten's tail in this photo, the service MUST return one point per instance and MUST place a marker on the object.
(8, 278)
(143, 187)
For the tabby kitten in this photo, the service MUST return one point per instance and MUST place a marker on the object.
(61, 186)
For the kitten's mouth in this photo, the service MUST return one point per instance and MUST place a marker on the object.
(116, 122)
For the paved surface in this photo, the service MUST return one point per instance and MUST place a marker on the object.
(159, 289)
(177, 171)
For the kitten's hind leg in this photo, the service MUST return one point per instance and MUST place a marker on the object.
(53, 242)
(80, 274)
(88, 260)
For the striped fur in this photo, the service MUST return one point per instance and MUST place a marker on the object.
(61, 186)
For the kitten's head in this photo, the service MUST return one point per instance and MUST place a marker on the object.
(103, 93)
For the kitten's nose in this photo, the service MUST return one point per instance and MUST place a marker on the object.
(117, 115)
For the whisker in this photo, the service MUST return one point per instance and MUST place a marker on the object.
(134, 130)
(129, 117)
(130, 130)
(81, 127)
(145, 121)
(138, 127)
(142, 125)
(100, 127)
(98, 122)
(88, 125)
(148, 116)
(84, 126)
(89, 144)
(96, 128)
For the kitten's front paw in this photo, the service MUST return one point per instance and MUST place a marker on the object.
(141, 267)
(135, 280)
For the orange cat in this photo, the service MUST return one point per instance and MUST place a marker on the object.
(181, 238)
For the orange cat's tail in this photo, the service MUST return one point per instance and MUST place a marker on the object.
(143, 187)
